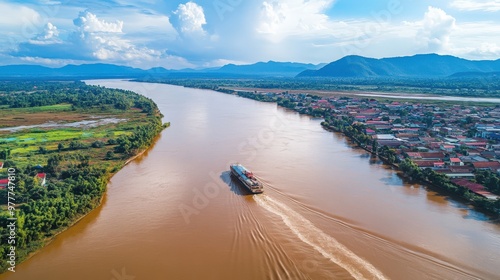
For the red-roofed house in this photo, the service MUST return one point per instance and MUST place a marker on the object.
(369, 111)
(487, 165)
(414, 155)
(434, 145)
(4, 183)
(360, 118)
(456, 162)
(447, 148)
(42, 177)
(1, 165)
(475, 187)
(477, 145)
(432, 155)
(439, 164)
(370, 131)
(425, 163)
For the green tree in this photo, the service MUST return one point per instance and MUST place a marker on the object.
(97, 144)
(42, 150)
(4, 154)
(110, 155)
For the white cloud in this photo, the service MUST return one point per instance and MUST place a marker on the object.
(48, 61)
(435, 29)
(222, 62)
(103, 40)
(88, 22)
(18, 23)
(441, 33)
(95, 39)
(140, 23)
(169, 62)
(49, 35)
(18, 16)
(477, 5)
(141, 34)
(485, 50)
(190, 18)
(476, 40)
(280, 18)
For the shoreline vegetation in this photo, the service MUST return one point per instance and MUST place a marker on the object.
(479, 87)
(61, 173)
(357, 133)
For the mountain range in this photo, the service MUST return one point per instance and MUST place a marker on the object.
(423, 65)
(99, 70)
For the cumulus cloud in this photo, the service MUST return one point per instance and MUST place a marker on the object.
(485, 50)
(440, 32)
(283, 18)
(477, 5)
(189, 18)
(141, 34)
(476, 40)
(94, 39)
(49, 35)
(435, 30)
(88, 22)
(103, 40)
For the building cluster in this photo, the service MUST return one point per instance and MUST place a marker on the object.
(456, 140)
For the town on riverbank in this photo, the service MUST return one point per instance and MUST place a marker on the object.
(454, 147)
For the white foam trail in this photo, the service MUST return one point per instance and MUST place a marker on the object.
(328, 246)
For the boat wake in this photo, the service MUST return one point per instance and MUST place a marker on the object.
(328, 246)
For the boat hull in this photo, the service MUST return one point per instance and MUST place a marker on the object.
(251, 183)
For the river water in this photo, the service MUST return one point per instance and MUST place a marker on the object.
(329, 211)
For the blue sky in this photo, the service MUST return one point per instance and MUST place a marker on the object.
(207, 33)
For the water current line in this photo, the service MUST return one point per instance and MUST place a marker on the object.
(328, 246)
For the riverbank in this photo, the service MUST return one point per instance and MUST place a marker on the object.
(425, 176)
(49, 240)
(61, 174)
(413, 231)
(357, 133)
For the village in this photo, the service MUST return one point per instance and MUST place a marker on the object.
(459, 141)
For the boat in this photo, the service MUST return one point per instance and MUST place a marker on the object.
(247, 178)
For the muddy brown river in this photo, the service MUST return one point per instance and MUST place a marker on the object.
(329, 211)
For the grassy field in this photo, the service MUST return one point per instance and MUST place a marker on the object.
(25, 145)
(51, 108)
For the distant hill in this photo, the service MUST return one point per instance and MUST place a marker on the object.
(270, 68)
(99, 70)
(423, 65)
(426, 65)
